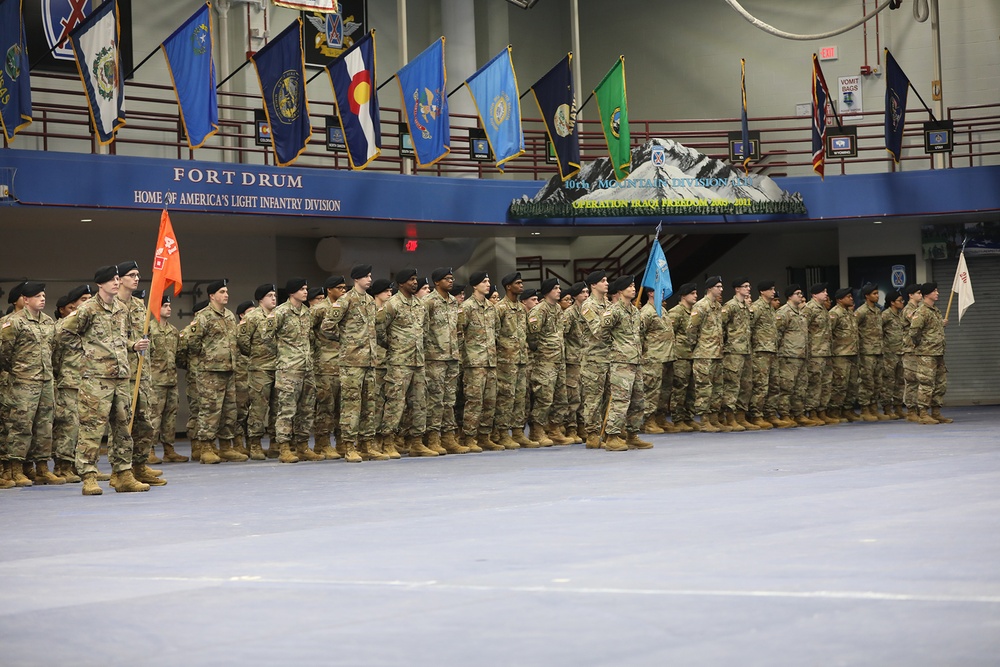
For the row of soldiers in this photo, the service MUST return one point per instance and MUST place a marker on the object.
(385, 374)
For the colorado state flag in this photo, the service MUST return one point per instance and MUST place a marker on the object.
(189, 60)
(494, 90)
(425, 103)
(95, 45)
(352, 76)
(15, 86)
(281, 71)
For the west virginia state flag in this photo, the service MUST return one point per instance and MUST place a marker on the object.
(557, 103)
(95, 45)
(15, 86)
(494, 91)
(281, 71)
(166, 265)
(189, 60)
(352, 76)
(425, 103)
(613, 106)
(897, 85)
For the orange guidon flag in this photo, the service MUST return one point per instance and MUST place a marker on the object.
(166, 265)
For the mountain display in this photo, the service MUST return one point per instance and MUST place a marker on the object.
(668, 179)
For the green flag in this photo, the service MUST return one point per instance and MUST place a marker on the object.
(613, 108)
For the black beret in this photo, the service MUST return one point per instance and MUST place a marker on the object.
(295, 284)
(200, 306)
(244, 307)
(15, 293)
(77, 292)
(61, 303)
(378, 286)
(139, 294)
(125, 267)
(32, 288)
(892, 296)
(925, 289)
(621, 283)
(868, 288)
(841, 293)
(574, 289)
(214, 286)
(105, 274)
(740, 281)
(528, 293)
(493, 290)
(792, 289)
(405, 275)
(421, 281)
(510, 278)
(687, 288)
(264, 290)
(765, 285)
(478, 277)
(817, 288)
(595, 277)
(713, 281)
(165, 299)
(315, 292)
(360, 271)
(456, 289)
(441, 273)
(548, 286)
(334, 281)
(911, 288)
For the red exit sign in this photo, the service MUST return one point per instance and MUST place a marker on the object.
(410, 245)
(828, 53)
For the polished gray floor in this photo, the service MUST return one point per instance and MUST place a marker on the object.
(859, 544)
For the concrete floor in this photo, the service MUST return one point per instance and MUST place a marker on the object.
(859, 544)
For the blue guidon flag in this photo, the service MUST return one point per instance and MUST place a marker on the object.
(15, 85)
(189, 60)
(95, 45)
(281, 71)
(494, 91)
(352, 76)
(425, 104)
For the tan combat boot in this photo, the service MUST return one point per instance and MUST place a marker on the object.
(470, 444)
(44, 476)
(17, 473)
(741, 419)
(762, 423)
(372, 451)
(719, 424)
(240, 446)
(487, 445)
(615, 443)
(889, 412)
(65, 470)
(913, 415)
(227, 452)
(709, 424)
(507, 441)
(572, 432)
(899, 411)
(273, 450)
(593, 441)
(813, 416)
(520, 438)
(206, 452)
(635, 442)
(170, 455)
(866, 414)
(878, 415)
(538, 435)
(650, 426)
(693, 425)
(389, 446)
(90, 487)
(803, 420)
(323, 447)
(5, 481)
(452, 445)
(924, 418)
(153, 458)
(552, 431)
(256, 451)
(350, 453)
(415, 445)
(127, 483)
(850, 415)
(940, 418)
(143, 474)
(777, 422)
(305, 454)
(827, 418)
(286, 454)
(434, 443)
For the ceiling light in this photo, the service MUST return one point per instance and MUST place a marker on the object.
(85, 220)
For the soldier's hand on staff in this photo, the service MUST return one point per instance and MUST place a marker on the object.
(141, 345)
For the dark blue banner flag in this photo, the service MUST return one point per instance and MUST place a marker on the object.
(189, 61)
(15, 86)
(281, 71)
(556, 101)
(897, 85)
(425, 103)
(352, 76)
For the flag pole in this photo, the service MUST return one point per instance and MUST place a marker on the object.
(144, 61)
(235, 72)
(917, 93)
(580, 108)
(951, 296)
(138, 371)
(822, 79)
(385, 83)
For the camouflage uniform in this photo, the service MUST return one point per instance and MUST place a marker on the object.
(793, 349)
(682, 391)
(241, 381)
(163, 338)
(574, 339)
(909, 358)
(212, 339)
(479, 365)
(927, 333)
(512, 364)
(870, 366)
(818, 363)
(294, 382)
(764, 347)
(596, 365)
(620, 328)
(67, 364)
(380, 369)
(189, 363)
(326, 370)
(105, 399)
(737, 368)
(142, 426)
(443, 356)
(353, 316)
(705, 331)
(255, 340)
(26, 345)
(894, 330)
(657, 360)
(403, 329)
(545, 341)
(844, 361)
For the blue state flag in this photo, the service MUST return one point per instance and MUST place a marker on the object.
(281, 71)
(15, 85)
(556, 101)
(352, 76)
(657, 276)
(494, 90)
(425, 104)
(897, 85)
(189, 60)
(95, 45)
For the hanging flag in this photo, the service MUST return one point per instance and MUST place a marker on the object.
(15, 84)
(281, 71)
(189, 61)
(166, 265)
(897, 85)
(322, 6)
(820, 98)
(352, 76)
(963, 285)
(657, 275)
(494, 90)
(556, 101)
(95, 45)
(746, 130)
(422, 84)
(613, 107)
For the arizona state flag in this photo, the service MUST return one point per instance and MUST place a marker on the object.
(556, 101)
(352, 76)
(95, 45)
(15, 84)
(613, 106)
(897, 85)
(425, 102)
(281, 71)
(166, 265)
(494, 92)
(189, 60)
